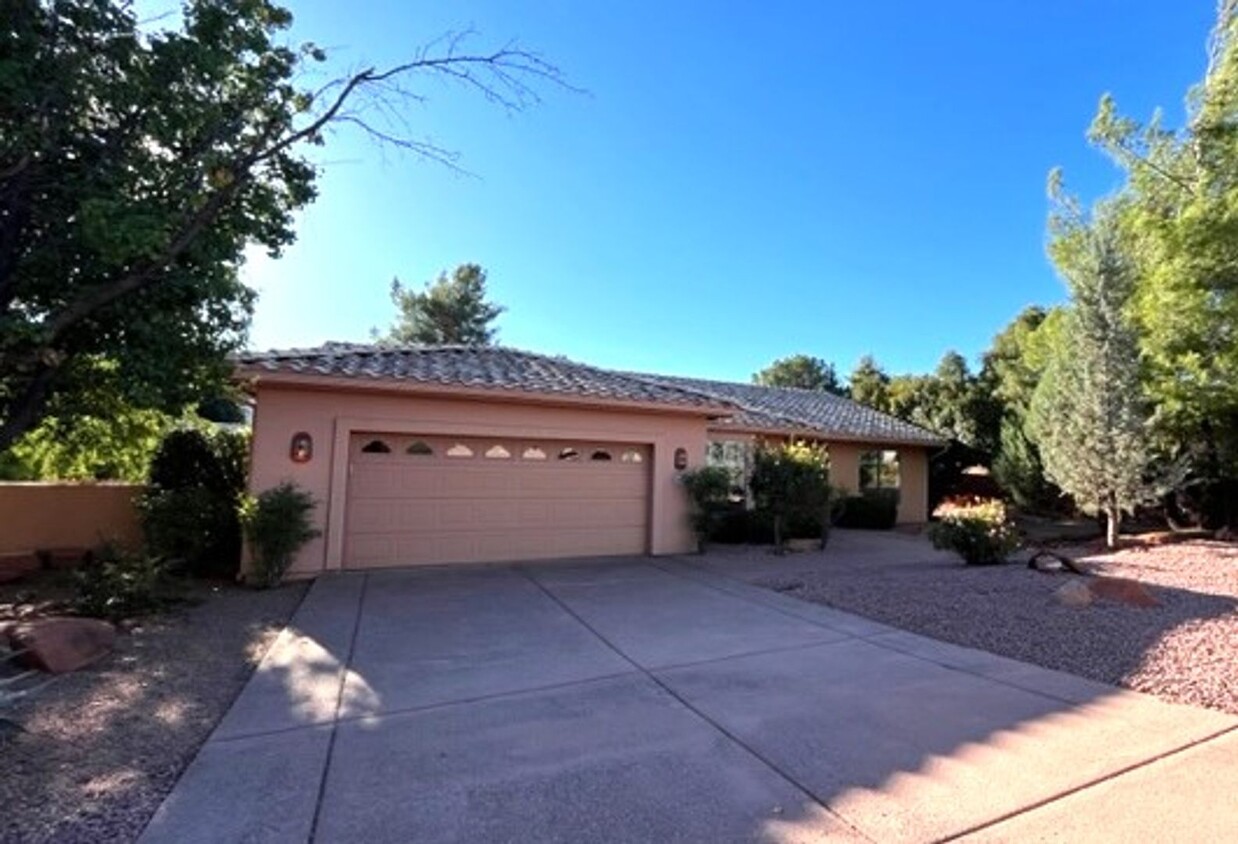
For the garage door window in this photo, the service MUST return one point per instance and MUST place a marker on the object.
(632, 456)
(419, 448)
(376, 447)
(497, 452)
(600, 454)
(569, 454)
(533, 454)
(459, 450)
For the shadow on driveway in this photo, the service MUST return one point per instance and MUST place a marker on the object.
(640, 700)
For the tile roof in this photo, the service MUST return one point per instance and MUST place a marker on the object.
(749, 407)
(482, 367)
(782, 408)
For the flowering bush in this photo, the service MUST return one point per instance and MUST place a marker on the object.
(979, 531)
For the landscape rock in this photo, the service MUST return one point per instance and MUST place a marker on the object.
(1075, 593)
(58, 645)
(18, 565)
(1124, 591)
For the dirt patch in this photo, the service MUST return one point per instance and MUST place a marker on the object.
(1185, 650)
(100, 748)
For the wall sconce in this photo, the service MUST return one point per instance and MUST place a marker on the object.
(302, 447)
(681, 458)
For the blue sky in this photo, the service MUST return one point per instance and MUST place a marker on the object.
(740, 182)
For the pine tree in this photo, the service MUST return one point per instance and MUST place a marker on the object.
(1089, 414)
(452, 310)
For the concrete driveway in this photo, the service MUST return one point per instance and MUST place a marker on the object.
(652, 700)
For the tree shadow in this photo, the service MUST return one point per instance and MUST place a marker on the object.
(483, 703)
(99, 748)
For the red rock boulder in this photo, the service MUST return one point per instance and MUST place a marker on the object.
(1124, 591)
(62, 644)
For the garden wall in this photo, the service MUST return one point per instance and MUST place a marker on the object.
(40, 516)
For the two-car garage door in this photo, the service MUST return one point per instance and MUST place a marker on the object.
(422, 499)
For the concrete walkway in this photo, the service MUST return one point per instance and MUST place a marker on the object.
(654, 700)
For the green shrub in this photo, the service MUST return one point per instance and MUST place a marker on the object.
(873, 509)
(981, 533)
(277, 524)
(119, 586)
(790, 483)
(709, 494)
(189, 512)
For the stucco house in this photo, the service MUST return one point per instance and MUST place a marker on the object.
(445, 454)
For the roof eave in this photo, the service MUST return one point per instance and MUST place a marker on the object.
(822, 434)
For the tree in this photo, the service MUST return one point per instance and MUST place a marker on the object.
(452, 310)
(1089, 413)
(869, 384)
(1013, 366)
(136, 166)
(803, 372)
(1181, 213)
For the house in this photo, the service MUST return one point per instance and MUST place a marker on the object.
(443, 454)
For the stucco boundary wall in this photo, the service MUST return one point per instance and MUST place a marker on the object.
(42, 516)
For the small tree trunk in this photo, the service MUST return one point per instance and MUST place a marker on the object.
(1114, 525)
(778, 534)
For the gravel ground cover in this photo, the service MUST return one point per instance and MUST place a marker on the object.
(101, 747)
(1185, 650)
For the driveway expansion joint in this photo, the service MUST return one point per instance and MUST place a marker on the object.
(339, 702)
(872, 638)
(1134, 766)
(653, 678)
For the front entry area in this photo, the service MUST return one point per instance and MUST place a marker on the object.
(418, 500)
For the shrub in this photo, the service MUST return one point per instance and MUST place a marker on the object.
(119, 586)
(791, 483)
(873, 509)
(709, 494)
(277, 524)
(980, 532)
(189, 512)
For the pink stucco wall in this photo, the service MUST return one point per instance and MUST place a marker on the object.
(41, 515)
(331, 416)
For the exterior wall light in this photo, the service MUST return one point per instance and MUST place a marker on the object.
(681, 458)
(301, 450)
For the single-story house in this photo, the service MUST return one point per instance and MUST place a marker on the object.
(445, 454)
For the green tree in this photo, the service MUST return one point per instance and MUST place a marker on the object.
(1089, 414)
(106, 439)
(869, 384)
(1013, 366)
(137, 165)
(803, 372)
(1181, 212)
(451, 310)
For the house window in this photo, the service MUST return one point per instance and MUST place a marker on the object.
(419, 448)
(376, 447)
(733, 455)
(879, 470)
